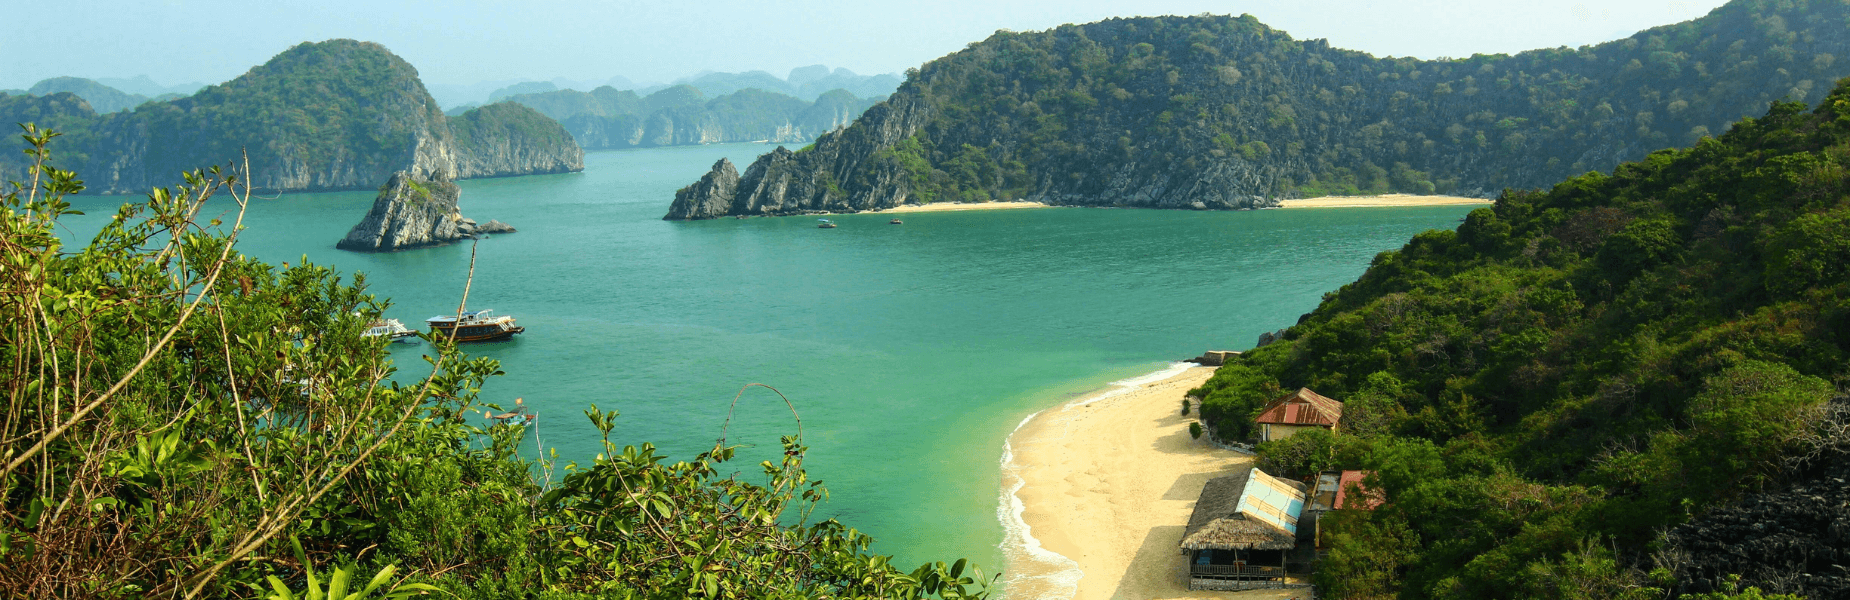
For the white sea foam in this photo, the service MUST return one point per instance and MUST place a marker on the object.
(1126, 386)
(1060, 579)
(1019, 546)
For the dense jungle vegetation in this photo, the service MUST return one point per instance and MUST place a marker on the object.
(184, 421)
(1082, 112)
(1546, 391)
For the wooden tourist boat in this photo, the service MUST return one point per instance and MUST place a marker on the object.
(477, 326)
(825, 224)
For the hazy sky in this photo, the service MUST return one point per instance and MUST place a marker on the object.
(462, 42)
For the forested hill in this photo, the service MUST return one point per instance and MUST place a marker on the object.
(607, 118)
(332, 115)
(1611, 384)
(1224, 112)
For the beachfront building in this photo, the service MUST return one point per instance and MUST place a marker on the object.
(1241, 532)
(1298, 411)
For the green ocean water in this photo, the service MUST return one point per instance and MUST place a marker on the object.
(911, 351)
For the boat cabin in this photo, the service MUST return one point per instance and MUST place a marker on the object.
(1241, 532)
(477, 326)
(1298, 411)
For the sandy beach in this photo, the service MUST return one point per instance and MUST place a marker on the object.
(953, 206)
(1380, 201)
(1106, 486)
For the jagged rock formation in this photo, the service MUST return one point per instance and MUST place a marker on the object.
(1216, 112)
(332, 115)
(718, 183)
(493, 226)
(412, 212)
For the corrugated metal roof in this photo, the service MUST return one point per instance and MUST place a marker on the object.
(1302, 407)
(1249, 510)
(1275, 502)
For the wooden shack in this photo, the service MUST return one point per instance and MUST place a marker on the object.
(1241, 531)
(1298, 411)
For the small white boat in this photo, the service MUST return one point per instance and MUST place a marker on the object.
(391, 330)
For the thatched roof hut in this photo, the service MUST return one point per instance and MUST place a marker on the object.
(1250, 511)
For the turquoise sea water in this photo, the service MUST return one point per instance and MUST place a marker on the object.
(911, 350)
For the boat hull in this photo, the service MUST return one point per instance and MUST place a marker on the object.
(477, 333)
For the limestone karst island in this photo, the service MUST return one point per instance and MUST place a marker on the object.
(1018, 300)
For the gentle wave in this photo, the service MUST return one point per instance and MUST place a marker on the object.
(1018, 541)
(1126, 386)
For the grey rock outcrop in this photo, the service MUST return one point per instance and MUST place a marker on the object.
(410, 213)
(709, 196)
(828, 177)
(1267, 338)
(493, 226)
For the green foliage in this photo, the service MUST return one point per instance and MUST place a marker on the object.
(183, 416)
(1185, 403)
(338, 584)
(1194, 430)
(1181, 103)
(1304, 454)
(1571, 372)
(1731, 590)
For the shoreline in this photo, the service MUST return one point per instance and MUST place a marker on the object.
(957, 206)
(1097, 491)
(1384, 200)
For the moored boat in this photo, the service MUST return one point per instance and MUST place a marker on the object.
(476, 326)
(392, 330)
(896, 222)
(826, 224)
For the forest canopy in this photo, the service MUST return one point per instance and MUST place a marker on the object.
(1545, 392)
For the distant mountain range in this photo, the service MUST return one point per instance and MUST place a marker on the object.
(807, 83)
(608, 118)
(333, 115)
(1225, 112)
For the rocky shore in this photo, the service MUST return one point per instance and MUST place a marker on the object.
(412, 212)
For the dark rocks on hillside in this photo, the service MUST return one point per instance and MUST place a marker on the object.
(1794, 541)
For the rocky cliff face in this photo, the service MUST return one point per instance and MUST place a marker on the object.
(332, 115)
(834, 175)
(709, 195)
(412, 212)
(506, 139)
